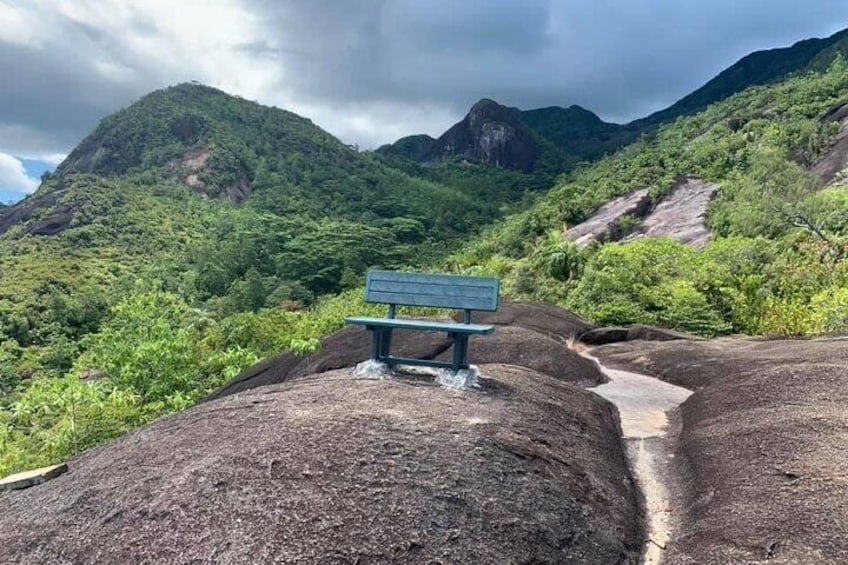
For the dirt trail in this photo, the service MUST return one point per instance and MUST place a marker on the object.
(644, 404)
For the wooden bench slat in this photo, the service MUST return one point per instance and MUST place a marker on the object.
(400, 323)
(429, 301)
(440, 291)
(435, 278)
(431, 289)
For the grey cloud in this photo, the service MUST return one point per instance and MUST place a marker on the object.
(620, 58)
(52, 95)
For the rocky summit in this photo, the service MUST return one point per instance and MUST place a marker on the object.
(490, 134)
(307, 460)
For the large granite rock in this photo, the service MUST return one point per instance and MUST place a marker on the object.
(532, 350)
(605, 335)
(761, 448)
(835, 157)
(344, 348)
(352, 345)
(491, 134)
(681, 214)
(336, 469)
(546, 319)
(606, 223)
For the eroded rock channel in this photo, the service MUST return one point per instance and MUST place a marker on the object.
(644, 404)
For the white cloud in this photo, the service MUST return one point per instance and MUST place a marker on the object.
(50, 158)
(370, 125)
(14, 177)
(19, 26)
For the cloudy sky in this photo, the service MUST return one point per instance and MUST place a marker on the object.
(369, 71)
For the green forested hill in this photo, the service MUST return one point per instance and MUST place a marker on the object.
(579, 133)
(778, 263)
(139, 263)
(227, 189)
(758, 68)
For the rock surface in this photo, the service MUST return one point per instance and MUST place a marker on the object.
(532, 350)
(352, 345)
(681, 214)
(602, 336)
(491, 134)
(345, 348)
(606, 335)
(605, 223)
(44, 210)
(545, 319)
(334, 469)
(835, 157)
(651, 333)
(762, 446)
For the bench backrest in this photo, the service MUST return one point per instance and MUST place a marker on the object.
(439, 291)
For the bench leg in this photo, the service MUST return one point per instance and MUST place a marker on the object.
(460, 352)
(375, 343)
(385, 344)
(381, 343)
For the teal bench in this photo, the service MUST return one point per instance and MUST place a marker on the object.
(432, 291)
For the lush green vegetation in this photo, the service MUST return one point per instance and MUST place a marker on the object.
(151, 295)
(577, 132)
(146, 294)
(778, 265)
(153, 354)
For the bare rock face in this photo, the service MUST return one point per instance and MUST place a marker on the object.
(681, 215)
(546, 319)
(345, 348)
(761, 448)
(606, 224)
(602, 336)
(44, 212)
(550, 326)
(491, 134)
(336, 469)
(605, 335)
(189, 170)
(529, 349)
(835, 157)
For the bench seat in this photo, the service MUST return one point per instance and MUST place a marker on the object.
(431, 291)
(424, 325)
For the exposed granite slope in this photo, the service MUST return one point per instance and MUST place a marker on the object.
(681, 214)
(335, 469)
(352, 345)
(762, 446)
(835, 158)
(606, 223)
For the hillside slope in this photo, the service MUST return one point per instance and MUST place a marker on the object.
(755, 69)
(295, 182)
(225, 206)
(579, 134)
(778, 262)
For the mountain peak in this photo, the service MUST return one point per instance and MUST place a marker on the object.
(492, 134)
(193, 134)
